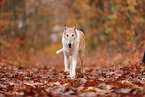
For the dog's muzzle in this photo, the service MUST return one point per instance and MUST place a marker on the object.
(69, 45)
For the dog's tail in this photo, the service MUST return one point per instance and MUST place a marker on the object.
(59, 51)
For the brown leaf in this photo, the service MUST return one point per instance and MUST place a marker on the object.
(125, 90)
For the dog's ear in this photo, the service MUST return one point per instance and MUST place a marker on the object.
(65, 28)
(75, 27)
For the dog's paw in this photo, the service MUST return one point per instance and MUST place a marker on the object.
(72, 77)
(67, 71)
(82, 71)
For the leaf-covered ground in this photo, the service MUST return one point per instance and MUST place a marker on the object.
(115, 76)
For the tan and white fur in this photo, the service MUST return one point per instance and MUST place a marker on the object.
(73, 41)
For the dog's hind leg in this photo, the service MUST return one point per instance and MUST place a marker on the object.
(59, 51)
(81, 55)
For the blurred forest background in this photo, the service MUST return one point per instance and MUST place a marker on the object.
(36, 26)
(30, 34)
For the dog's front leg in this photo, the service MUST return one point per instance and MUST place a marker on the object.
(73, 66)
(70, 66)
(66, 61)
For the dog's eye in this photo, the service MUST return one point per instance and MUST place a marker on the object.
(66, 35)
(72, 35)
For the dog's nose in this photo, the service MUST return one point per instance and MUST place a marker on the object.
(69, 45)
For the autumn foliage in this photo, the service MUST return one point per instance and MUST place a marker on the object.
(30, 33)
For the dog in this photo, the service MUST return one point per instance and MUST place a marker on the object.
(73, 41)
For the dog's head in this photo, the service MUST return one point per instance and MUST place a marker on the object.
(70, 35)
